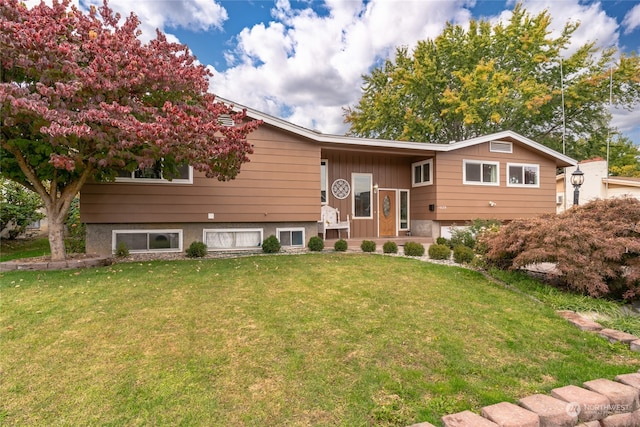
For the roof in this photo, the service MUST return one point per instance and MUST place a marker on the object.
(372, 143)
(623, 180)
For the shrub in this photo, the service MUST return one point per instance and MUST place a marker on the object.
(390, 248)
(19, 207)
(316, 244)
(368, 246)
(122, 251)
(463, 254)
(413, 249)
(197, 250)
(340, 245)
(439, 252)
(595, 247)
(462, 237)
(271, 245)
(443, 241)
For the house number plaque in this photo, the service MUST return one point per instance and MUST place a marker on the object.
(340, 189)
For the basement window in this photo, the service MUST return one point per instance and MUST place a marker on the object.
(140, 241)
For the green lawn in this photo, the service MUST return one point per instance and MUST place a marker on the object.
(23, 248)
(314, 339)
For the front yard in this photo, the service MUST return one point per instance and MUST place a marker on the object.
(314, 339)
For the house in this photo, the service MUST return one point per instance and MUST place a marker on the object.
(597, 184)
(382, 188)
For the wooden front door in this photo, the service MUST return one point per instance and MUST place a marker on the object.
(387, 213)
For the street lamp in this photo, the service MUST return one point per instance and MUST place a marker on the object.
(577, 178)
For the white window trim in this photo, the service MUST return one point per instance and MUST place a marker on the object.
(353, 195)
(480, 162)
(157, 181)
(114, 233)
(326, 181)
(232, 230)
(278, 230)
(510, 144)
(408, 227)
(413, 173)
(523, 165)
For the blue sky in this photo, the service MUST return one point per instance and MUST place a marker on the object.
(303, 60)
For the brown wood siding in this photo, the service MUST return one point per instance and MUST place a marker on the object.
(455, 201)
(281, 183)
(392, 172)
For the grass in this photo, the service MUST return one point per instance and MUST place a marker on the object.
(23, 248)
(300, 340)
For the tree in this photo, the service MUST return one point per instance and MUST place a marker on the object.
(467, 83)
(81, 97)
(19, 207)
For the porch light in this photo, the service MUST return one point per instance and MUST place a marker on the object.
(577, 179)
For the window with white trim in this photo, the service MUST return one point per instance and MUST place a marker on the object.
(362, 184)
(422, 173)
(154, 174)
(291, 237)
(324, 181)
(500, 147)
(523, 175)
(139, 241)
(481, 172)
(404, 209)
(218, 239)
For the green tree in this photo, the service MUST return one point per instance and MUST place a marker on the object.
(466, 83)
(81, 97)
(19, 207)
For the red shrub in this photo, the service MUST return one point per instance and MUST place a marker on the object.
(596, 247)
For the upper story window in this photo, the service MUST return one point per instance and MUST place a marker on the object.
(500, 147)
(422, 173)
(481, 172)
(362, 191)
(155, 174)
(523, 175)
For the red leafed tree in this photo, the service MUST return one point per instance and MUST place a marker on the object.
(81, 97)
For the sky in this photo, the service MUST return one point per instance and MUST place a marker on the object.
(303, 61)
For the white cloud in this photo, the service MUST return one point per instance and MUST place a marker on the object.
(631, 20)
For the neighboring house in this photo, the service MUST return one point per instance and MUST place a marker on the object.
(384, 188)
(596, 184)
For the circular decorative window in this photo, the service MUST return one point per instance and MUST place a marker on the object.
(340, 189)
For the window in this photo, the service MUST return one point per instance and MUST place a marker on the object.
(481, 173)
(522, 175)
(500, 147)
(324, 182)
(223, 238)
(422, 173)
(404, 209)
(291, 236)
(154, 175)
(147, 240)
(362, 190)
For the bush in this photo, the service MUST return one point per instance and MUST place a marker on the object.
(463, 254)
(76, 230)
(271, 245)
(197, 250)
(462, 237)
(595, 247)
(368, 246)
(316, 244)
(413, 249)
(19, 207)
(122, 251)
(443, 241)
(390, 248)
(439, 252)
(340, 245)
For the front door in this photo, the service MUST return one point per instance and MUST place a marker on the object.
(387, 213)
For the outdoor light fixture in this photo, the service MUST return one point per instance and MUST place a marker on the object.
(577, 179)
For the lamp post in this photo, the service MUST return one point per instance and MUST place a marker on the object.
(577, 179)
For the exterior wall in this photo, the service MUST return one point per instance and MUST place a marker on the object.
(99, 236)
(456, 201)
(281, 183)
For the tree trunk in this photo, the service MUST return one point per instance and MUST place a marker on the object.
(56, 238)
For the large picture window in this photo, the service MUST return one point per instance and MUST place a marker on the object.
(225, 239)
(523, 175)
(422, 173)
(155, 174)
(481, 172)
(362, 190)
(147, 240)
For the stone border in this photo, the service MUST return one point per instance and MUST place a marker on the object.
(610, 335)
(92, 261)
